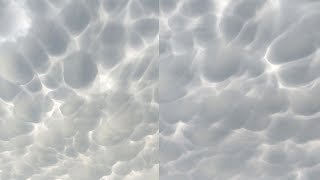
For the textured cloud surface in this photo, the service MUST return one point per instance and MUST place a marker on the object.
(159, 89)
(78, 83)
(239, 90)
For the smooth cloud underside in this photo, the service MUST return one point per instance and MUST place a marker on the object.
(159, 89)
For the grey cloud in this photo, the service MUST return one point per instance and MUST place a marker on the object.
(148, 89)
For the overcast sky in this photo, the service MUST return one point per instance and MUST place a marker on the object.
(169, 89)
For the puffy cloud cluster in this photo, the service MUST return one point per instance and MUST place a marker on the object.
(148, 89)
(238, 93)
(78, 90)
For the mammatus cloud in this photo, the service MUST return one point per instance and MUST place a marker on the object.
(238, 90)
(78, 83)
(148, 89)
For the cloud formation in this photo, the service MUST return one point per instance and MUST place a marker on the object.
(148, 89)
(78, 84)
(238, 90)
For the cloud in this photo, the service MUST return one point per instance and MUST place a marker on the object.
(78, 96)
